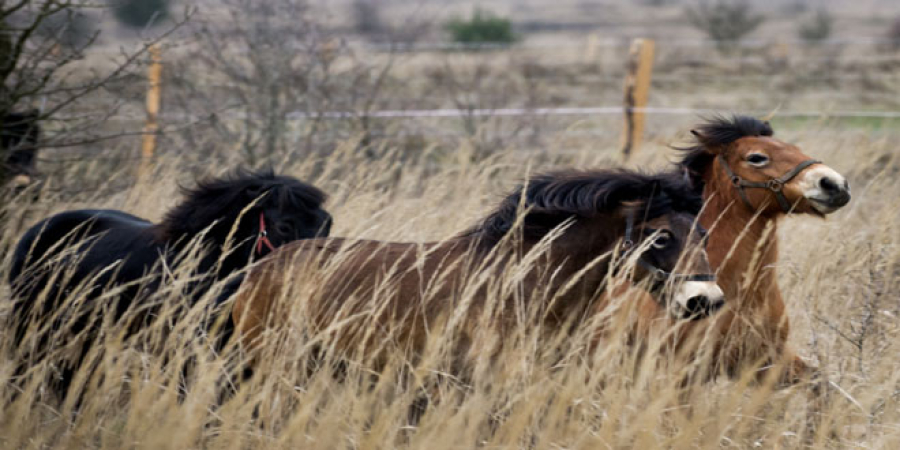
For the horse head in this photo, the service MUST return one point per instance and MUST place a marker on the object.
(249, 214)
(650, 217)
(764, 174)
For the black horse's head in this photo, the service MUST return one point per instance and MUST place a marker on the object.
(248, 214)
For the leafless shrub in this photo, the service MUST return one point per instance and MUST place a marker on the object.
(817, 28)
(267, 75)
(725, 21)
(72, 28)
(42, 49)
(367, 17)
(482, 86)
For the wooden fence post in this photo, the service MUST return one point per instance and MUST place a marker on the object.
(637, 89)
(151, 127)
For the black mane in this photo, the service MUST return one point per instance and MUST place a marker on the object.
(210, 200)
(718, 131)
(554, 197)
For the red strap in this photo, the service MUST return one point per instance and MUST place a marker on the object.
(263, 237)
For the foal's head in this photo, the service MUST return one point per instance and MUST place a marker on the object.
(739, 157)
(254, 212)
(650, 219)
(670, 259)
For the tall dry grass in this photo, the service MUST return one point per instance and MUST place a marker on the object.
(538, 390)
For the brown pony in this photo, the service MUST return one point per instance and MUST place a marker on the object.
(749, 181)
(556, 236)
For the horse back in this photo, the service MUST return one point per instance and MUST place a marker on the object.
(331, 279)
(105, 235)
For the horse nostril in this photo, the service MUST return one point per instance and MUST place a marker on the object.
(697, 304)
(829, 186)
(701, 306)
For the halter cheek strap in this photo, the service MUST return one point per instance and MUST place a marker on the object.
(776, 185)
(263, 237)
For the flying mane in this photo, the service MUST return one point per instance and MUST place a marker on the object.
(718, 131)
(554, 197)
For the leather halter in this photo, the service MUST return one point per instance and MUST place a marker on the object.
(263, 237)
(659, 276)
(776, 185)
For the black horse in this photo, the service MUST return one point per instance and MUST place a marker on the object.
(233, 220)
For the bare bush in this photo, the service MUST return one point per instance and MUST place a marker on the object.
(267, 75)
(817, 28)
(71, 27)
(474, 88)
(725, 21)
(42, 49)
(367, 17)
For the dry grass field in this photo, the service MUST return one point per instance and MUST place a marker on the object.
(420, 180)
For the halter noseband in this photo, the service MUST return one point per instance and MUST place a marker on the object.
(263, 237)
(659, 276)
(776, 185)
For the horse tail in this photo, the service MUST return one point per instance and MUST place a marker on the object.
(24, 284)
(23, 252)
(32, 265)
(32, 249)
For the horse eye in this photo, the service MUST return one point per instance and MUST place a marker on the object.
(662, 241)
(284, 229)
(757, 159)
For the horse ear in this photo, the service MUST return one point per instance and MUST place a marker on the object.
(706, 143)
(692, 178)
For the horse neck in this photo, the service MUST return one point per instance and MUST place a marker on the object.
(179, 241)
(742, 246)
(575, 254)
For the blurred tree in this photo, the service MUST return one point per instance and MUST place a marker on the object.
(367, 17)
(71, 27)
(283, 71)
(818, 28)
(140, 13)
(40, 82)
(725, 21)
